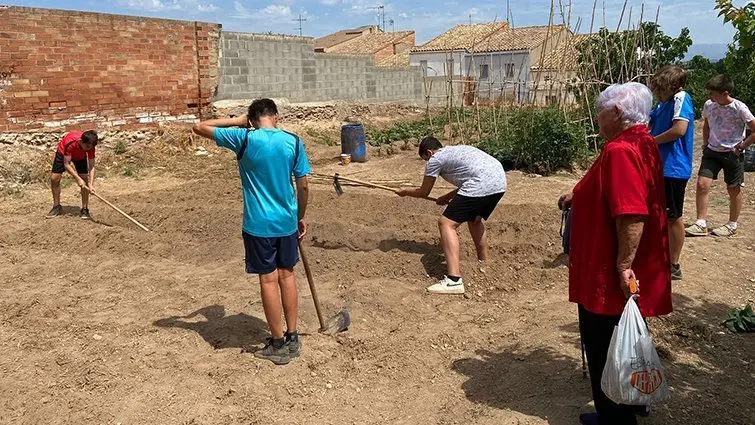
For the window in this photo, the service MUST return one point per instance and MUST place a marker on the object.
(509, 70)
(423, 66)
(551, 100)
(484, 71)
(450, 67)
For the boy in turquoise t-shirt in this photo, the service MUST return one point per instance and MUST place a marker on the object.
(273, 212)
(672, 123)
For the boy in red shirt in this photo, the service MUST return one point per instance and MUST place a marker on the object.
(75, 154)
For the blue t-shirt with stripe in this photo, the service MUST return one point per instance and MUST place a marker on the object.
(676, 155)
(266, 168)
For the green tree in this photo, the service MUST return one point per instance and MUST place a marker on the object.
(614, 57)
(740, 59)
(699, 71)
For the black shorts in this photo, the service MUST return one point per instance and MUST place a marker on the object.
(265, 255)
(82, 167)
(732, 164)
(675, 189)
(463, 209)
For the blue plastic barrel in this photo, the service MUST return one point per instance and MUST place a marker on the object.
(353, 142)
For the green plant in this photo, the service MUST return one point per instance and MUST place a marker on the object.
(120, 148)
(541, 140)
(617, 57)
(741, 320)
(418, 129)
(699, 71)
(129, 170)
(740, 59)
(321, 137)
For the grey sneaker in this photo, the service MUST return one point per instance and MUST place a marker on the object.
(695, 230)
(279, 356)
(676, 272)
(84, 214)
(724, 231)
(56, 211)
(293, 344)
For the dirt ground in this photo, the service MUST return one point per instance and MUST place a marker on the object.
(102, 323)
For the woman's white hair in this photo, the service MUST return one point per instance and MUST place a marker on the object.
(633, 100)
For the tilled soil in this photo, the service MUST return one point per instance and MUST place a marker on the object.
(103, 323)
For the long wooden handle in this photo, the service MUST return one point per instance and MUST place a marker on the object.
(119, 210)
(376, 186)
(311, 285)
(368, 184)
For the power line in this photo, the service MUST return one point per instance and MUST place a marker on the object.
(300, 20)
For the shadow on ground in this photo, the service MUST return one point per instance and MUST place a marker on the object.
(220, 331)
(710, 370)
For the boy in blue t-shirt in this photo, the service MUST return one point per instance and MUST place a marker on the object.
(672, 123)
(273, 212)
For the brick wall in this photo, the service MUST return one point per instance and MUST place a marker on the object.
(256, 65)
(62, 70)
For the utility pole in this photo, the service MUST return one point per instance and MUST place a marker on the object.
(382, 8)
(381, 14)
(300, 20)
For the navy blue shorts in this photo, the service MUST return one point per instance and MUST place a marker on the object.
(265, 255)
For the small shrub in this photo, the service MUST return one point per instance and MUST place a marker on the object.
(741, 320)
(541, 140)
(120, 148)
(418, 129)
(129, 170)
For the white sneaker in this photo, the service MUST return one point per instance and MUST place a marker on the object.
(447, 286)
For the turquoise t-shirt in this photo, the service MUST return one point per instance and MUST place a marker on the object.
(270, 158)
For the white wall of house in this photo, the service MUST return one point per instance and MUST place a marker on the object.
(437, 63)
(501, 73)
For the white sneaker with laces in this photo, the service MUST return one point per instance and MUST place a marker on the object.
(447, 286)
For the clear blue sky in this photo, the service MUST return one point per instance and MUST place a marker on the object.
(427, 17)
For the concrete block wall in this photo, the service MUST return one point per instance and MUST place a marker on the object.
(258, 65)
(63, 70)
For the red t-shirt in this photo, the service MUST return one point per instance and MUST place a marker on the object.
(69, 146)
(626, 179)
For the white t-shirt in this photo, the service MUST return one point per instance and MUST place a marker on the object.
(727, 124)
(474, 172)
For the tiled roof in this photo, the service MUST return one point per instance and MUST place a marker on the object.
(339, 37)
(369, 44)
(521, 38)
(565, 56)
(461, 37)
(400, 60)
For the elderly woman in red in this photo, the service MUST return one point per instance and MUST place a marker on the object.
(618, 233)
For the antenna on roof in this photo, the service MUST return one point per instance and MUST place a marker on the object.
(381, 12)
(300, 20)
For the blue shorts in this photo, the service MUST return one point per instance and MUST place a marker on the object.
(265, 255)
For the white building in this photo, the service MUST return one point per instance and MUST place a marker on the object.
(494, 61)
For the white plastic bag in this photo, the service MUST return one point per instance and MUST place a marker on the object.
(633, 373)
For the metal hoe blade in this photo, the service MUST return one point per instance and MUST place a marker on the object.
(337, 185)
